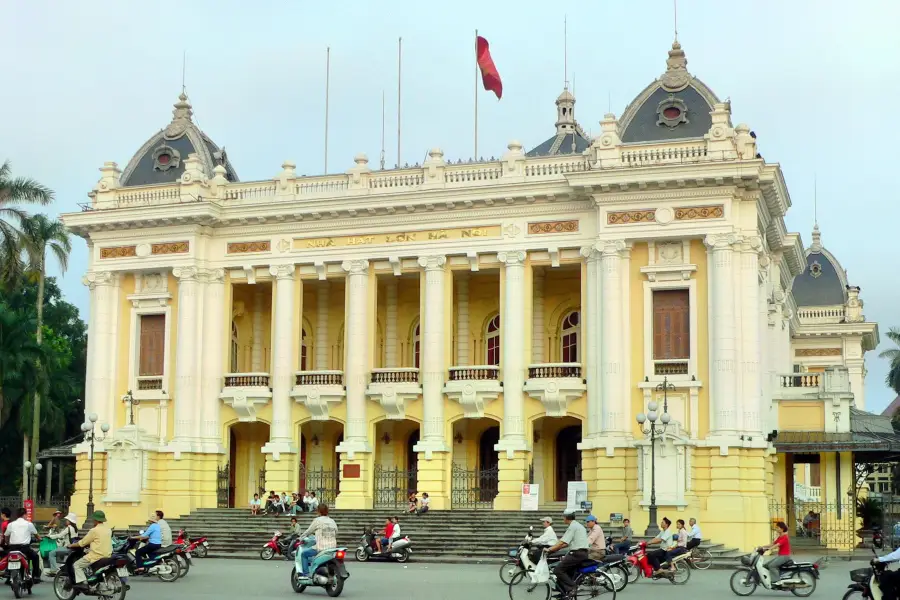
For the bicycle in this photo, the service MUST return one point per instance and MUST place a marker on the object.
(590, 582)
(700, 558)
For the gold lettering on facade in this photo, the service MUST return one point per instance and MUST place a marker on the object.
(361, 240)
(323, 243)
(403, 237)
(470, 233)
(441, 234)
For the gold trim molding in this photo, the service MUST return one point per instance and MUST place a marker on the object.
(403, 237)
(817, 352)
(553, 227)
(626, 217)
(245, 247)
(170, 248)
(118, 252)
(696, 213)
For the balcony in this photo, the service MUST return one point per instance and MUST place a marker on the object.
(555, 385)
(664, 368)
(246, 393)
(473, 387)
(149, 383)
(393, 388)
(317, 390)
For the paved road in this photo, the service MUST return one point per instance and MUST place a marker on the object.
(214, 579)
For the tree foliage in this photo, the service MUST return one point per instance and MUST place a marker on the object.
(893, 355)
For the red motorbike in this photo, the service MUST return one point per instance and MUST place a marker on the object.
(197, 547)
(279, 545)
(675, 571)
(14, 567)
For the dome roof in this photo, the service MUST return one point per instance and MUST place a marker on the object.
(823, 282)
(570, 137)
(675, 106)
(161, 158)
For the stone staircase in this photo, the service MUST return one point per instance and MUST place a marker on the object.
(479, 535)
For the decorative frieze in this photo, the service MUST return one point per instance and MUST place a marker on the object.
(118, 252)
(543, 227)
(696, 213)
(401, 237)
(817, 352)
(626, 217)
(170, 248)
(247, 247)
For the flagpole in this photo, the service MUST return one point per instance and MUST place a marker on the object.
(327, 85)
(399, 73)
(475, 157)
(382, 130)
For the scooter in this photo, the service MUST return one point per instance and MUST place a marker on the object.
(327, 569)
(198, 547)
(106, 578)
(678, 572)
(163, 563)
(520, 559)
(279, 545)
(866, 582)
(400, 548)
(14, 567)
(797, 578)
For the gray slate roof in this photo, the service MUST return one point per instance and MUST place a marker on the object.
(561, 143)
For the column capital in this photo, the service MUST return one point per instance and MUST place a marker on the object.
(513, 258)
(433, 263)
(94, 278)
(189, 273)
(282, 271)
(212, 275)
(721, 241)
(750, 243)
(610, 248)
(590, 253)
(355, 267)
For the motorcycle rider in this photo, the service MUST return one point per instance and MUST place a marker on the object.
(164, 529)
(18, 536)
(888, 581)
(99, 538)
(153, 536)
(666, 543)
(293, 533)
(325, 530)
(547, 538)
(395, 533)
(576, 540)
(596, 539)
(382, 542)
(695, 535)
(784, 553)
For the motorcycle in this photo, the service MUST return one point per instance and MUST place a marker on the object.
(279, 545)
(327, 569)
(163, 563)
(800, 581)
(400, 548)
(14, 567)
(877, 538)
(865, 583)
(107, 578)
(198, 547)
(590, 581)
(678, 572)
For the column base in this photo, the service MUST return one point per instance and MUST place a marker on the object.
(353, 447)
(278, 447)
(355, 477)
(432, 476)
(513, 467)
(429, 447)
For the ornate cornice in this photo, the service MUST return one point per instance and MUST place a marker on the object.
(433, 263)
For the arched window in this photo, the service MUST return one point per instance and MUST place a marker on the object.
(571, 331)
(416, 346)
(235, 347)
(492, 342)
(303, 350)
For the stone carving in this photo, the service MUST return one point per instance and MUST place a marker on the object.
(185, 273)
(817, 352)
(669, 253)
(631, 216)
(694, 213)
(355, 267)
(245, 403)
(282, 271)
(118, 252)
(511, 259)
(170, 248)
(95, 278)
(213, 275)
(553, 227)
(284, 245)
(511, 231)
(676, 77)
(432, 263)
(165, 158)
(244, 247)
(671, 112)
(318, 398)
(152, 283)
(143, 250)
(181, 118)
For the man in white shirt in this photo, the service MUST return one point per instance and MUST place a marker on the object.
(164, 528)
(695, 535)
(18, 536)
(313, 502)
(665, 541)
(395, 533)
(548, 537)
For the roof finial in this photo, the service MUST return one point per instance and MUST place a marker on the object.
(816, 235)
(181, 117)
(676, 77)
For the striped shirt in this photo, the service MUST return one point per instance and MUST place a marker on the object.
(326, 533)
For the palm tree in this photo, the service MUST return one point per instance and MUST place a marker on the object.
(19, 354)
(893, 355)
(41, 234)
(14, 191)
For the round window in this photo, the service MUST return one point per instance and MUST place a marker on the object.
(672, 113)
(163, 159)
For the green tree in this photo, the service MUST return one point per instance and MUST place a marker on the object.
(19, 353)
(15, 191)
(40, 236)
(893, 355)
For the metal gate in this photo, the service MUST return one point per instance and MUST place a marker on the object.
(222, 481)
(261, 483)
(393, 486)
(321, 481)
(473, 488)
(817, 524)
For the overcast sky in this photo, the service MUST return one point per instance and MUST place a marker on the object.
(819, 82)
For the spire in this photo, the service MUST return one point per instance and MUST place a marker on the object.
(181, 117)
(676, 77)
(565, 112)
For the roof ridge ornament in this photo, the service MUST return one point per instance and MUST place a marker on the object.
(816, 240)
(676, 77)
(181, 118)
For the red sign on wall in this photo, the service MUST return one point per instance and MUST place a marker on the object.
(29, 510)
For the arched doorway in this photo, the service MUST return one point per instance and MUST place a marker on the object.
(247, 463)
(568, 459)
(487, 456)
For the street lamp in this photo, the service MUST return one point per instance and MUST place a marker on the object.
(131, 401)
(29, 473)
(89, 434)
(653, 433)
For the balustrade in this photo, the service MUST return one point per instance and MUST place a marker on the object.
(801, 380)
(476, 373)
(149, 382)
(554, 370)
(670, 367)
(319, 378)
(247, 380)
(399, 375)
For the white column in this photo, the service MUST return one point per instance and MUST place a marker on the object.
(751, 395)
(211, 365)
(432, 361)
(322, 326)
(103, 329)
(537, 317)
(462, 320)
(723, 389)
(356, 354)
(513, 344)
(611, 350)
(186, 353)
(856, 368)
(590, 325)
(256, 344)
(624, 399)
(390, 325)
(282, 359)
(48, 480)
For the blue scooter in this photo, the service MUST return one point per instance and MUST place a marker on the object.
(327, 569)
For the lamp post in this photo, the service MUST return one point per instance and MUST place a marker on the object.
(131, 401)
(31, 473)
(89, 433)
(655, 433)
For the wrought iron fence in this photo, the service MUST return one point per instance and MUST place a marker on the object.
(324, 482)
(393, 486)
(261, 483)
(824, 524)
(473, 488)
(223, 479)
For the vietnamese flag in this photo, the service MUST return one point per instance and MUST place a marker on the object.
(489, 75)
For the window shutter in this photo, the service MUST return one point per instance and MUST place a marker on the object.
(152, 349)
(671, 325)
